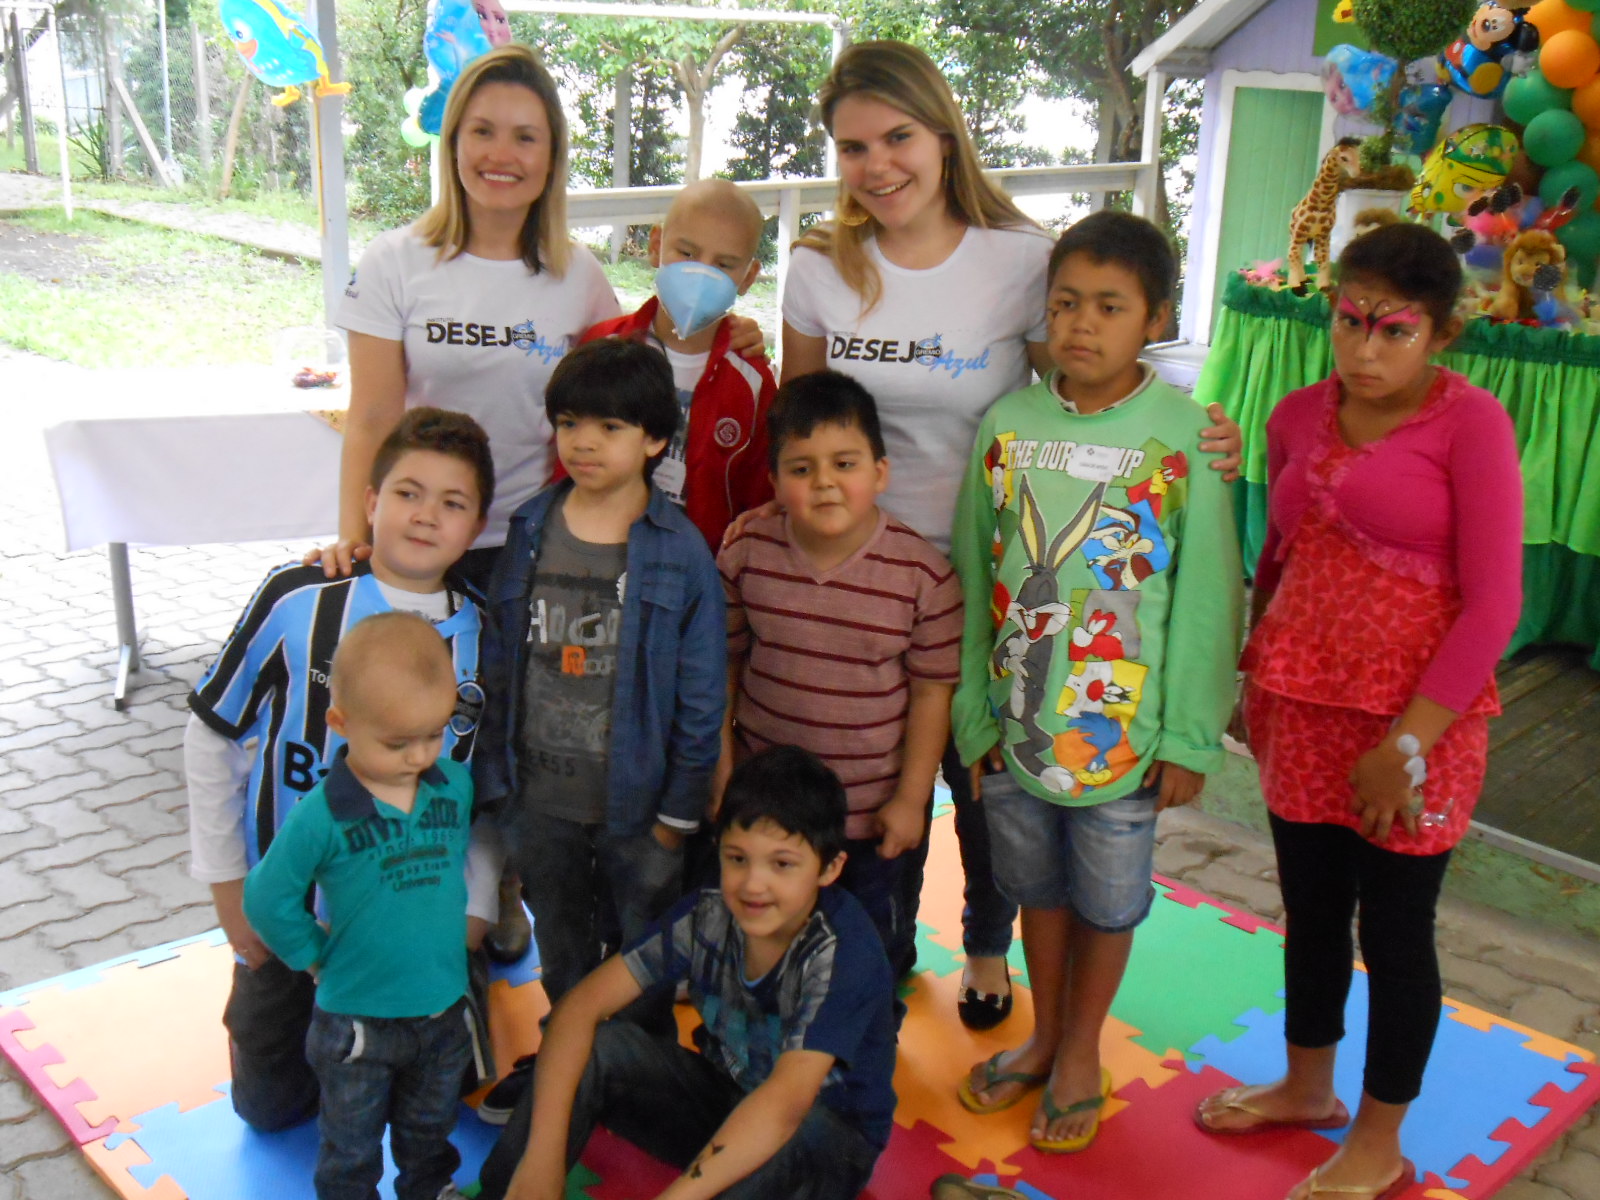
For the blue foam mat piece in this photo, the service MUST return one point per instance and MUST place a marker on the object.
(1016, 1185)
(524, 970)
(1474, 1082)
(212, 1155)
(89, 976)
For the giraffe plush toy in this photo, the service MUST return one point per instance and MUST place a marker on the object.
(1312, 219)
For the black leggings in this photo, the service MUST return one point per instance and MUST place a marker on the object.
(1326, 871)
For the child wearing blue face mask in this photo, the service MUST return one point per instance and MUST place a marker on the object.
(716, 464)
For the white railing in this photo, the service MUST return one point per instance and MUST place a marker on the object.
(787, 199)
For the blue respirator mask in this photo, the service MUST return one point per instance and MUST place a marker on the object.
(695, 296)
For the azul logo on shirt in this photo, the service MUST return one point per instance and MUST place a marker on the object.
(926, 352)
(470, 333)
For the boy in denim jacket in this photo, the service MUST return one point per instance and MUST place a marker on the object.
(605, 668)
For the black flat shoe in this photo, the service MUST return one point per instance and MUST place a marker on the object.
(983, 1010)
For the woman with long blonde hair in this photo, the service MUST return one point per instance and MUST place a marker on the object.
(928, 286)
(471, 306)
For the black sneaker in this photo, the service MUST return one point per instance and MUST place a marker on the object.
(502, 1099)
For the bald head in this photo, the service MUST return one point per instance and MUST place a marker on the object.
(705, 202)
(386, 655)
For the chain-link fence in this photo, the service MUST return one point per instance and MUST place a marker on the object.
(160, 96)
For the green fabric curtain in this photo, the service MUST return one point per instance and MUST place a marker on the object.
(1268, 343)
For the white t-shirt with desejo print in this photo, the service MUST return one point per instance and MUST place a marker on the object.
(481, 336)
(940, 347)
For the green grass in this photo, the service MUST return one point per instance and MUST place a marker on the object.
(133, 295)
(14, 159)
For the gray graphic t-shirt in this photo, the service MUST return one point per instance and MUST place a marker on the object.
(574, 620)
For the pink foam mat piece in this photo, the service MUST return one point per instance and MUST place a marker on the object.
(61, 1099)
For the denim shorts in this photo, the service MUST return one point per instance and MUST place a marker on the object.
(1094, 859)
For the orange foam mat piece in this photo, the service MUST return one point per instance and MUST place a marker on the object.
(135, 1038)
(936, 1050)
(113, 1166)
(1534, 1041)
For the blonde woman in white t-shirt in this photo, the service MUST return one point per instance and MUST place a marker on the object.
(929, 287)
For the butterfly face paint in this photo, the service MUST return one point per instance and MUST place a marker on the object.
(1382, 342)
(1396, 326)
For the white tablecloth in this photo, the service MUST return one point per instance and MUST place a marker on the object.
(186, 458)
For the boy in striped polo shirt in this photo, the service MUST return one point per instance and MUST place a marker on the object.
(844, 636)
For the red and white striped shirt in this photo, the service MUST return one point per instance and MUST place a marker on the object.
(827, 658)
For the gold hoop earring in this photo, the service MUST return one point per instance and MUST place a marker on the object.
(850, 213)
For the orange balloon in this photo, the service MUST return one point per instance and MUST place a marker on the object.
(1570, 58)
(1590, 153)
(1586, 103)
(1551, 17)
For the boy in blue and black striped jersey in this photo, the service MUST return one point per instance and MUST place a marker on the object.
(259, 739)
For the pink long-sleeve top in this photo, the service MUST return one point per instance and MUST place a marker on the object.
(1438, 499)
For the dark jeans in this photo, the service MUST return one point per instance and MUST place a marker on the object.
(403, 1072)
(668, 1101)
(268, 1013)
(879, 884)
(988, 917)
(1328, 873)
(586, 889)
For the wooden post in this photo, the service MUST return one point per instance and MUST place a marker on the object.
(202, 98)
(9, 100)
(30, 145)
(152, 152)
(230, 144)
(111, 70)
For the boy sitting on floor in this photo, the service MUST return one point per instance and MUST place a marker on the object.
(792, 1096)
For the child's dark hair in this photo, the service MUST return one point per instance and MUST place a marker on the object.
(792, 788)
(450, 433)
(616, 379)
(1413, 260)
(821, 398)
(1127, 241)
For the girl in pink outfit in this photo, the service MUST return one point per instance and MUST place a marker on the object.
(1389, 585)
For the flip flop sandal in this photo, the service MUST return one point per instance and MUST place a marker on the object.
(1073, 1144)
(1392, 1191)
(958, 1187)
(993, 1077)
(1338, 1119)
(983, 1010)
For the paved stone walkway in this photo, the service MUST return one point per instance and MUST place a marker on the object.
(93, 835)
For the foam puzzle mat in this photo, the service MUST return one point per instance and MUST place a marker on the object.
(131, 1056)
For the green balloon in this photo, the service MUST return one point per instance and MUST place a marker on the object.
(1527, 96)
(412, 133)
(1568, 175)
(1581, 237)
(1554, 136)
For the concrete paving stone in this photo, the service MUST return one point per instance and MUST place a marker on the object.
(26, 715)
(21, 790)
(35, 1137)
(1575, 1173)
(28, 960)
(174, 800)
(40, 735)
(169, 884)
(10, 1187)
(1260, 896)
(72, 851)
(60, 1176)
(81, 927)
(146, 820)
(18, 885)
(94, 739)
(45, 762)
(160, 737)
(17, 1101)
(1174, 856)
(12, 824)
(1576, 972)
(123, 790)
(89, 886)
(13, 671)
(77, 672)
(1486, 981)
(118, 763)
(24, 692)
(1528, 1189)
(23, 918)
(67, 818)
(1554, 1011)
(168, 927)
(148, 852)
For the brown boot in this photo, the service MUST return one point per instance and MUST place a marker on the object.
(508, 941)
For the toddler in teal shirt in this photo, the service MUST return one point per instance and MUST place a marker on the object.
(384, 837)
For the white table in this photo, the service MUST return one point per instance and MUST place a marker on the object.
(182, 458)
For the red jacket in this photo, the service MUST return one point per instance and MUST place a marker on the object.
(726, 450)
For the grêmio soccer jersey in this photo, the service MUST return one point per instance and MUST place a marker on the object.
(270, 685)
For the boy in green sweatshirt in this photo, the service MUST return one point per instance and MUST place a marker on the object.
(384, 838)
(1103, 595)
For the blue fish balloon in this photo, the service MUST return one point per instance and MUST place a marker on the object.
(278, 48)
